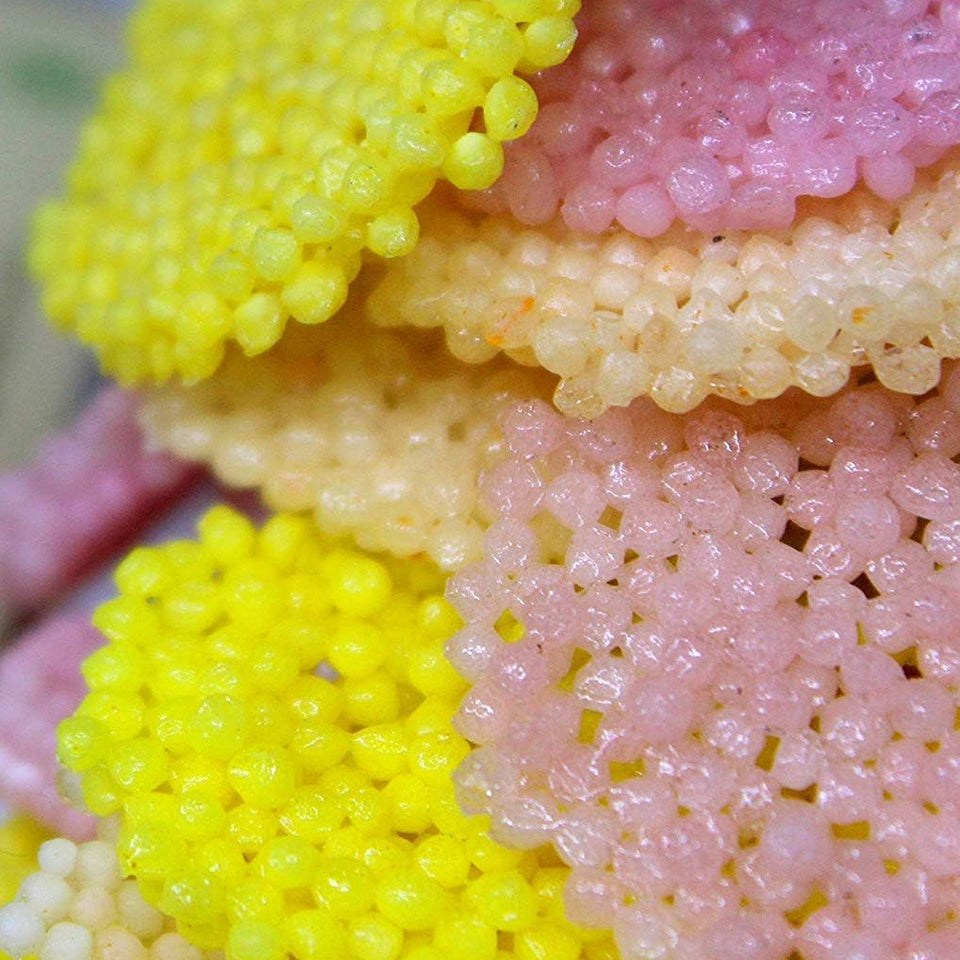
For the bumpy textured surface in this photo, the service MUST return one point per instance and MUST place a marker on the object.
(381, 435)
(721, 114)
(40, 685)
(715, 663)
(271, 810)
(86, 490)
(78, 907)
(252, 150)
(743, 315)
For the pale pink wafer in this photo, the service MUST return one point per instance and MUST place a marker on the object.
(88, 490)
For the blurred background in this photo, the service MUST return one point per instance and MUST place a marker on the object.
(53, 56)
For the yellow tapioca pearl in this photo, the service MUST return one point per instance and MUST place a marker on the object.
(411, 900)
(313, 814)
(380, 751)
(409, 800)
(315, 935)
(255, 940)
(201, 816)
(315, 291)
(218, 727)
(82, 742)
(143, 572)
(255, 899)
(509, 109)
(120, 714)
(475, 162)
(193, 897)
(464, 936)
(259, 322)
(546, 942)
(150, 849)
(505, 901)
(251, 827)
(314, 699)
(228, 535)
(444, 859)
(344, 886)
(370, 700)
(373, 937)
(356, 648)
(319, 746)
(288, 862)
(263, 776)
(138, 765)
(357, 585)
(203, 775)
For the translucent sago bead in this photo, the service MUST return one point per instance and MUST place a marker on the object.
(741, 314)
(268, 809)
(712, 664)
(233, 184)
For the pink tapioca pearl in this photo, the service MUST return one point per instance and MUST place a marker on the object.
(511, 489)
(477, 592)
(575, 498)
(939, 944)
(796, 841)
(595, 555)
(744, 938)
(940, 776)
(935, 426)
(851, 729)
(939, 659)
(830, 556)
(859, 472)
(764, 643)
(789, 568)
(936, 844)
(760, 520)
(653, 528)
(870, 525)
(826, 636)
(811, 499)
(510, 545)
(715, 437)
(591, 898)
(907, 564)
(608, 439)
(848, 793)
(585, 836)
(921, 709)
(531, 428)
(930, 488)
(767, 465)
(862, 419)
(869, 674)
(941, 540)
(799, 760)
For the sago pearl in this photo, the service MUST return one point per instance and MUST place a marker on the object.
(717, 668)
(87, 489)
(40, 686)
(272, 718)
(382, 435)
(720, 115)
(743, 315)
(77, 906)
(252, 149)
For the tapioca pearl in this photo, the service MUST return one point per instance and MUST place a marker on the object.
(906, 564)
